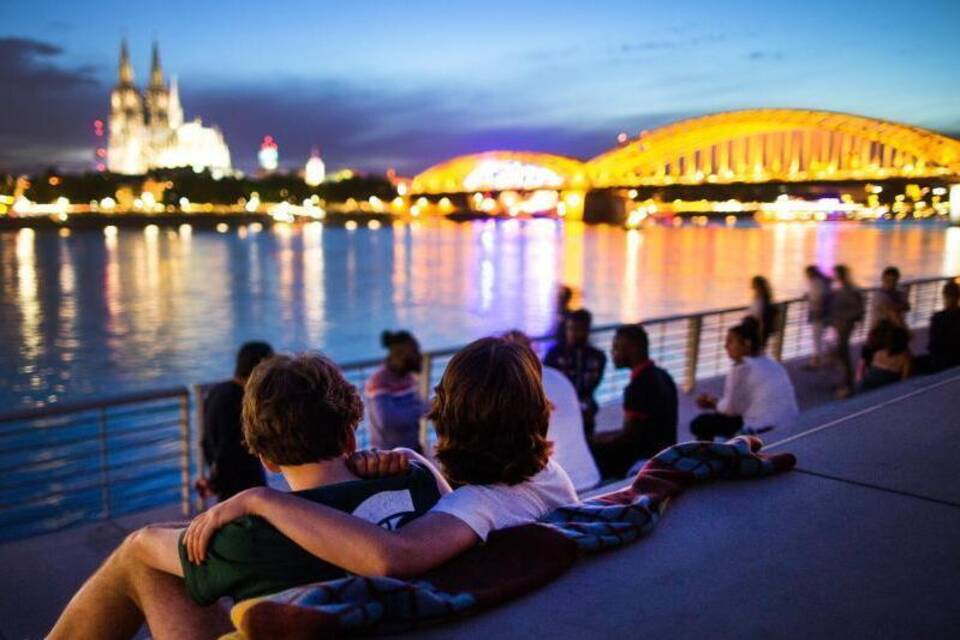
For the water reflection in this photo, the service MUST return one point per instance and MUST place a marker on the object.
(105, 312)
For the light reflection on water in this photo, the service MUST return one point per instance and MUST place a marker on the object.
(101, 313)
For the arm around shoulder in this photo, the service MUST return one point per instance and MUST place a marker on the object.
(359, 546)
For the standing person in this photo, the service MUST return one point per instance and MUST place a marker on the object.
(762, 308)
(757, 393)
(944, 343)
(890, 302)
(818, 310)
(649, 407)
(232, 467)
(582, 363)
(393, 397)
(564, 298)
(886, 356)
(848, 309)
(570, 448)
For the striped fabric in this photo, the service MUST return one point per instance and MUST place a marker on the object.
(512, 562)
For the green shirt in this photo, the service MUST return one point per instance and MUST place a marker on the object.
(249, 557)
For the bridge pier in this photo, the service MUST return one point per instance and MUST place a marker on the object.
(606, 205)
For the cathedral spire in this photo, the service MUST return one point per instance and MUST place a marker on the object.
(156, 73)
(174, 110)
(126, 69)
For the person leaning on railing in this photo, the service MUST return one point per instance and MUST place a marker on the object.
(847, 311)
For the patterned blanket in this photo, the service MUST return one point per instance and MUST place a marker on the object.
(512, 562)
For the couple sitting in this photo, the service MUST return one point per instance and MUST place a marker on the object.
(299, 417)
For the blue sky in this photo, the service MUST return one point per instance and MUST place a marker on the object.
(405, 84)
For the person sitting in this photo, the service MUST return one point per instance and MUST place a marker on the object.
(889, 301)
(299, 417)
(649, 407)
(392, 394)
(886, 356)
(231, 467)
(582, 363)
(570, 448)
(944, 340)
(491, 417)
(757, 393)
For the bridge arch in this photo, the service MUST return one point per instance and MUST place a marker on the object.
(789, 145)
(502, 171)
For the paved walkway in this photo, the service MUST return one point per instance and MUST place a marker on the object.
(860, 539)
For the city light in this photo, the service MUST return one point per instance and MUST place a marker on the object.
(269, 155)
(315, 171)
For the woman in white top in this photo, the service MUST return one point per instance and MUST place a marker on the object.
(757, 394)
(491, 417)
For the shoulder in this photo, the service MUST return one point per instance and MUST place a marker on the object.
(383, 381)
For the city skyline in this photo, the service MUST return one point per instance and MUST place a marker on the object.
(381, 86)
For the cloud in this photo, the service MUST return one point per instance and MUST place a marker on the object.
(47, 107)
(25, 65)
(759, 55)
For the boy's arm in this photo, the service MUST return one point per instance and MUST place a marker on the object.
(340, 538)
(156, 547)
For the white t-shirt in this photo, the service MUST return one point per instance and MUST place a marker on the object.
(485, 508)
(570, 448)
(760, 390)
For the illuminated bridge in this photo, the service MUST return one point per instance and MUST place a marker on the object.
(751, 147)
(783, 145)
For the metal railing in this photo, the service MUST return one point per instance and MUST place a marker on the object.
(65, 464)
(71, 463)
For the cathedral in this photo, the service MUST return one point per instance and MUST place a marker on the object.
(147, 130)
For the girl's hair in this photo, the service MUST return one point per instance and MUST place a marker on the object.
(390, 338)
(749, 331)
(890, 336)
(491, 414)
(762, 286)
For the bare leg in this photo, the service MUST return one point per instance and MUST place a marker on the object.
(124, 592)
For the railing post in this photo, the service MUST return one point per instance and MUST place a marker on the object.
(185, 453)
(907, 290)
(197, 441)
(104, 464)
(776, 349)
(694, 327)
(426, 374)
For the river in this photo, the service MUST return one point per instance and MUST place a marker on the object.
(94, 314)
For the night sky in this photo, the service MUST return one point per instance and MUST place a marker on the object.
(407, 83)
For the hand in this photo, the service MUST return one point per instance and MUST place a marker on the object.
(202, 528)
(374, 463)
(707, 401)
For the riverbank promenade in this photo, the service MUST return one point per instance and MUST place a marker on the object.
(858, 539)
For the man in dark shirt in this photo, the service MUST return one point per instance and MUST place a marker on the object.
(248, 557)
(649, 408)
(232, 467)
(581, 362)
(944, 344)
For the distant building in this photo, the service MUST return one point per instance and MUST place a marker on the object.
(315, 171)
(147, 130)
